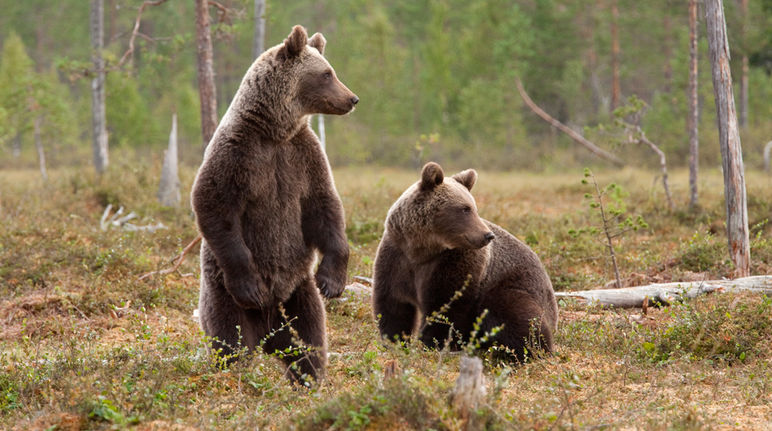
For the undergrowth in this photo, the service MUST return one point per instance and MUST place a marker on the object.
(85, 345)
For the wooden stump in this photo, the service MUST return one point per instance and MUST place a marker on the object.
(469, 391)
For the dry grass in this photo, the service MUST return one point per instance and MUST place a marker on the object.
(83, 345)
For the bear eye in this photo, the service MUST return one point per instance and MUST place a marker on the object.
(328, 75)
(467, 209)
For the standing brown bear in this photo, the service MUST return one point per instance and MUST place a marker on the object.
(434, 245)
(265, 203)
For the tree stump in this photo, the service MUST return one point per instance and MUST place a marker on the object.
(469, 391)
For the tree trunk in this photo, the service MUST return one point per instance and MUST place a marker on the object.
(39, 148)
(98, 87)
(169, 189)
(16, 146)
(729, 138)
(322, 134)
(615, 86)
(469, 392)
(206, 88)
(667, 293)
(258, 42)
(565, 129)
(693, 118)
(744, 75)
(767, 156)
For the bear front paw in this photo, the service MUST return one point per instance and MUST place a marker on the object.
(248, 292)
(329, 281)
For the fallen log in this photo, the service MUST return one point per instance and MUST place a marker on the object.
(667, 293)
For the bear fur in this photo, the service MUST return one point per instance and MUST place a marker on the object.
(265, 203)
(435, 244)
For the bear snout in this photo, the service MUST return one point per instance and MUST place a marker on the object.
(354, 100)
(489, 237)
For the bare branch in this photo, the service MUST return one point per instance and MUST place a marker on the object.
(129, 53)
(565, 129)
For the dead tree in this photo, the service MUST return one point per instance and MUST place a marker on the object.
(322, 133)
(469, 392)
(636, 135)
(693, 118)
(259, 38)
(743, 121)
(729, 138)
(169, 189)
(98, 87)
(206, 87)
(767, 154)
(668, 293)
(565, 129)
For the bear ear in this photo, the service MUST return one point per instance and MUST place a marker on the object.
(318, 41)
(431, 176)
(295, 42)
(467, 178)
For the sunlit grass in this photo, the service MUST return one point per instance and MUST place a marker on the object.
(84, 344)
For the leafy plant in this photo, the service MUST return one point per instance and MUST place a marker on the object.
(611, 210)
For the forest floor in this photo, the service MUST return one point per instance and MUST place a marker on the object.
(85, 345)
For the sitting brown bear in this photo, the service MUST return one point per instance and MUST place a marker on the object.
(434, 245)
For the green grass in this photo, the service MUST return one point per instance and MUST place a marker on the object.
(84, 345)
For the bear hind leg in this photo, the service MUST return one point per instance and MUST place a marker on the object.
(524, 332)
(298, 337)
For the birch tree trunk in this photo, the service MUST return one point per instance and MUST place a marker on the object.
(615, 86)
(39, 148)
(259, 38)
(693, 118)
(767, 156)
(169, 189)
(729, 138)
(98, 87)
(206, 87)
(322, 133)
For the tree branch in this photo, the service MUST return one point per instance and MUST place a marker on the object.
(129, 53)
(565, 129)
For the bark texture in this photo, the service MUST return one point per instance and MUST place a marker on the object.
(98, 87)
(729, 138)
(469, 392)
(667, 293)
(258, 43)
(206, 87)
(169, 189)
(693, 118)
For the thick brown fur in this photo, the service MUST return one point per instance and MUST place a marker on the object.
(265, 203)
(435, 244)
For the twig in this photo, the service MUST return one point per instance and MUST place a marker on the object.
(565, 129)
(179, 259)
(129, 53)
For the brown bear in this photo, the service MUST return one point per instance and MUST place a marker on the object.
(265, 203)
(435, 245)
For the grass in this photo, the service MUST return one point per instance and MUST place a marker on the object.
(84, 345)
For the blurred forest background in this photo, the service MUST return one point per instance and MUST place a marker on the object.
(435, 78)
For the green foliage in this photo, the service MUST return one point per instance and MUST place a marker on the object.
(717, 330)
(129, 119)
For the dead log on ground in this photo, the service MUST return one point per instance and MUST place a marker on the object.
(667, 293)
